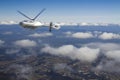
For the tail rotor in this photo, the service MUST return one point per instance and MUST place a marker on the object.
(50, 27)
(54, 26)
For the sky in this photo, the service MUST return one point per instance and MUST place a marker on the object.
(92, 11)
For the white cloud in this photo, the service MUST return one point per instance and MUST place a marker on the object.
(41, 34)
(112, 53)
(2, 42)
(25, 43)
(83, 54)
(12, 51)
(82, 35)
(95, 34)
(110, 50)
(22, 72)
(106, 36)
(68, 33)
(93, 24)
(115, 54)
(104, 47)
(8, 22)
(108, 65)
(87, 54)
(62, 67)
(79, 35)
(8, 33)
(84, 24)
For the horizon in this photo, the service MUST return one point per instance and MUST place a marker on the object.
(64, 23)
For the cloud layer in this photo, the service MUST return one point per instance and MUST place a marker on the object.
(84, 53)
(25, 43)
(8, 22)
(2, 42)
(112, 53)
(106, 36)
(90, 53)
(96, 34)
(8, 33)
(21, 72)
(41, 35)
(79, 35)
(82, 35)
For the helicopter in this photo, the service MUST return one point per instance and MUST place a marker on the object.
(33, 23)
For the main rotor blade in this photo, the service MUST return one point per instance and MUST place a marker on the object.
(24, 15)
(39, 13)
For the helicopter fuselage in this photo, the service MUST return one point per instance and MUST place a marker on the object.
(28, 23)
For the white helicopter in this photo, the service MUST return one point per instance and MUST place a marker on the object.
(32, 23)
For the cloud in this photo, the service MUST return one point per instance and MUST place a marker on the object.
(115, 54)
(112, 59)
(80, 35)
(22, 53)
(68, 33)
(110, 50)
(94, 24)
(95, 34)
(8, 33)
(21, 71)
(62, 67)
(104, 47)
(25, 43)
(41, 35)
(8, 22)
(2, 42)
(108, 65)
(106, 36)
(12, 51)
(83, 53)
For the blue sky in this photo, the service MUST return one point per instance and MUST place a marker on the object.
(101, 11)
